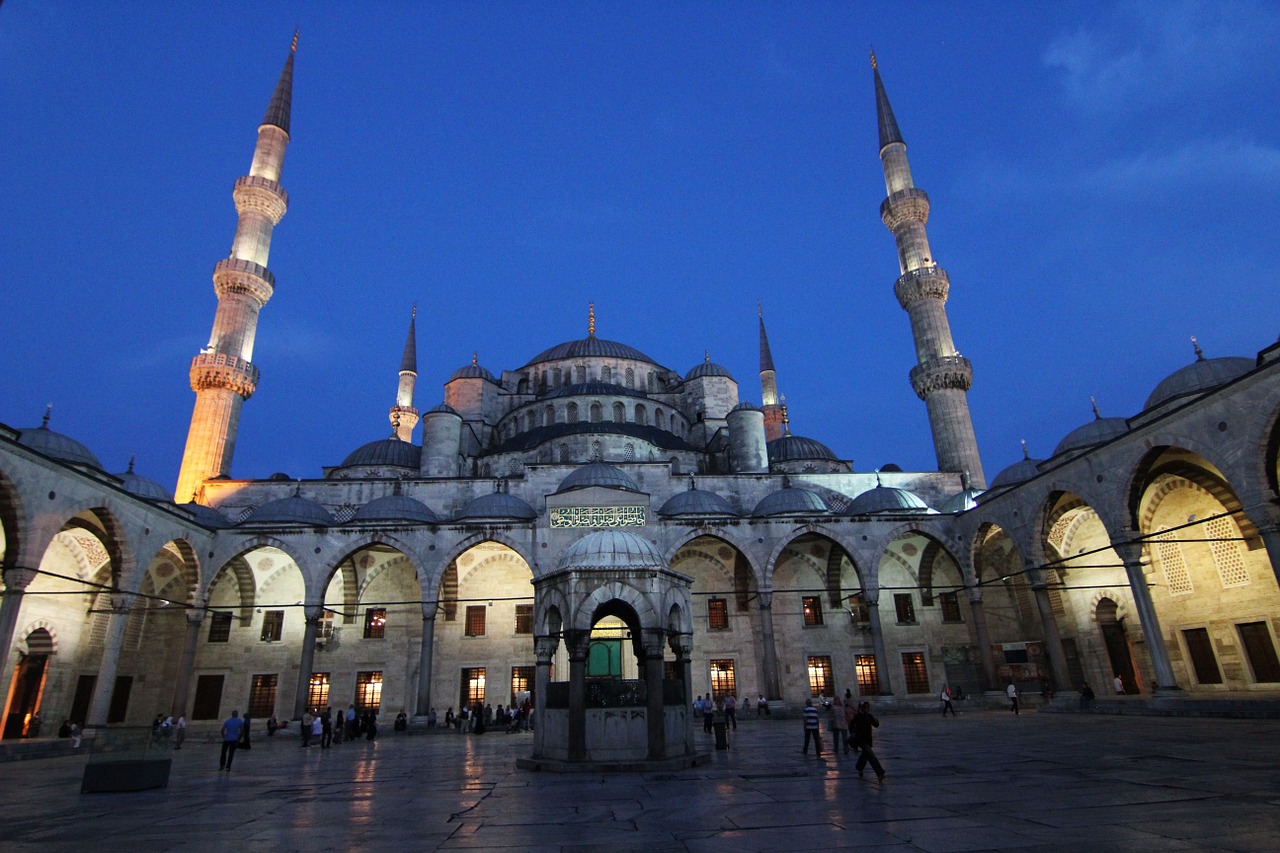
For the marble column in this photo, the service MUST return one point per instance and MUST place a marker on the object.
(654, 640)
(769, 649)
(1052, 640)
(1131, 555)
(578, 643)
(984, 639)
(877, 644)
(312, 614)
(545, 652)
(16, 582)
(105, 686)
(425, 655)
(1270, 540)
(682, 646)
(181, 687)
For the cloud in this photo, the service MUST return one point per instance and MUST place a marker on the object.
(1196, 165)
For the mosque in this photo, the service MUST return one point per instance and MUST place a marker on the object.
(594, 529)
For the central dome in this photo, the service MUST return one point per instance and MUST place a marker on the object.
(612, 549)
(589, 347)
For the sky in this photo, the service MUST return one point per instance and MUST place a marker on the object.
(1103, 177)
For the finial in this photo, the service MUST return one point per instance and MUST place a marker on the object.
(1096, 413)
(591, 319)
(786, 419)
(297, 489)
(131, 461)
(760, 309)
(1199, 352)
(413, 315)
(786, 481)
(397, 487)
(878, 483)
(706, 356)
(1025, 453)
(874, 66)
(48, 410)
(475, 357)
(293, 48)
(693, 483)
(395, 425)
(966, 481)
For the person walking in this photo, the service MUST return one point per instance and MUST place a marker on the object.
(762, 706)
(180, 731)
(945, 696)
(731, 711)
(305, 729)
(231, 728)
(839, 727)
(326, 728)
(1012, 692)
(811, 731)
(850, 711)
(708, 713)
(1118, 684)
(860, 731)
(244, 733)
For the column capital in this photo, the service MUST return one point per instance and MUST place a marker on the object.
(974, 594)
(654, 640)
(17, 579)
(313, 613)
(545, 648)
(682, 645)
(429, 611)
(194, 616)
(1128, 546)
(764, 600)
(121, 602)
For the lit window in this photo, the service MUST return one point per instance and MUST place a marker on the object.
(475, 620)
(219, 627)
(324, 630)
(318, 692)
(812, 610)
(375, 623)
(868, 678)
(524, 618)
(723, 682)
(950, 602)
(272, 626)
(858, 612)
(369, 691)
(262, 696)
(914, 669)
(521, 682)
(717, 614)
(820, 676)
(472, 685)
(905, 607)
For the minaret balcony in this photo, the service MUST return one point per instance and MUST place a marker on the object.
(260, 195)
(908, 205)
(942, 372)
(244, 278)
(931, 282)
(220, 370)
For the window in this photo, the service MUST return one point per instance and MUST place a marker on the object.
(722, 681)
(580, 373)
(1260, 651)
(858, 613)
(914, 669)
(642, 415)
(375, 623)
(717, 614)
(369, 691)
(324, 630)
(906, 608)
(219, 627)
(208, 698)
(472, 685)
(597, 413)
(475, 620)
(119, 707)
(524, 618)
(571, 413)
(272, 626)
(631, 378)
(521, 682)
(262, 696)
(619, 413)
(318, 692)
(1203, 660)
(950, 602)
(812, 605)
(868, 679)
(820, 676)
(606, 374)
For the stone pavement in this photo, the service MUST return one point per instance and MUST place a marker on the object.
(983, 781)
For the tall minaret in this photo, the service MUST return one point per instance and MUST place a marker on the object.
(943, 376)
(223, 375)
(773, 414)
(404, 417)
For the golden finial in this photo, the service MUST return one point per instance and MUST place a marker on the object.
(395, 424)
(1096, 413)
(874, 66)
(1199, 352)
(294, 47)
(1025, 453)
(786, 419)
(706, 356)
(48, 410)
(591, 319)
(475, 357)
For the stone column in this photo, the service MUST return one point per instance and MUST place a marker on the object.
(1131, 554)
(16, 582)
(682, 645)
(655, 710)
(1270, 540)
(769, 650)
(312, 613)
(578, 643)
(1052, 640)
(984, 639)
(121, 603)
(425, 658)
(183, 684)
(877, 643)
(545, 650)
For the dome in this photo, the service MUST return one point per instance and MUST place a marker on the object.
(442, 407)
(597, 474)
(592, 389)
(143, 487)
(744, 406)
(791, 448)
(1199, 376)
(386, 452)
(291, 510)
(1095, 432)
(396, 508)
(55, 445)
(206, 516)
(961, 501)
(498, 505)
(589, 347)
(472, 371)
(788, 501)
(885, 499)
(1018, 472)
(696, 502)
(611, 549)
(708, 368)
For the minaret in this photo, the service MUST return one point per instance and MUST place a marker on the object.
(768, 386)
(404, 417)
(223, 374)
(943, 376)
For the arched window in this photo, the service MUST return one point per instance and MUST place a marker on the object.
(597, 454)
(549, 415)
(580, 373)
(659, 419)
(564, 453)
(652, 381)
(629, 452)
(675, 466)
(631, 378)
(606, 374)
(571, 413)
(642, 415)
(619, 413)
(597, 412)
(555, 376)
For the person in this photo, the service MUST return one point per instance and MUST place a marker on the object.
(34, 724)
(64, 730)
(317, 729)
(339, 727)
(370, 725)
(305, 728)
(746, 705)
(180, 731)
(244, 733)
(850, 711)
(166, 729)
(487, 716)
(402, 722)
(432, 719)
(762, 705)
(1011, 690)
(75, 736)
(731, 711)
(708, 713)
(449, 718)
(353, 727)
(231, 728)
(811, 732)
(839, 726)
(326, 728)
(272, 725)
(1118, 684)
(1086, 697)
(155, 726)
(860, 731)
(945, 696)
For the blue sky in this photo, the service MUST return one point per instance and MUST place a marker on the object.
(1104, 179)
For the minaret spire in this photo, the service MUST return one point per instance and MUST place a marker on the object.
(773, 412)
(942, 376)
(404, 417)
(223, 374)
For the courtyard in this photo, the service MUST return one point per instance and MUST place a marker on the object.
(987, 780)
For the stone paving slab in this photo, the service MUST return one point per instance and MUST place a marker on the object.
(983, 782)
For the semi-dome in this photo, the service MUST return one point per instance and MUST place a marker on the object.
(1201, 375)
(589, 347)
(592, 389)
(597, 474)
(744, 406)
(886, 500)
(790, 501)
(961, 501)
(290, 510)
(388, 452)
(793, 448)
(143, 487)
(396, 508)
(696, 502)
(1018, 472)
(442, 407)
(472, 371)
(708, 368)
(206, 516)
(55, 445)
(498, 505)
(611, 549)
(1095, 432)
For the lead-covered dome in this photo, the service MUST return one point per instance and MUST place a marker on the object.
(1018, 472)
(498, 505)
(55, 445)
(291, 510)
(589, 347)
(790, 501)
(709, 368)
(1201, 375)
(886, 500)
(961, 501)
(206, 516)
(597, 474)
(143, 487)
(795, 448)
(611, 549)
(396, 508)
(472, 371)
(696, 502)
(1095, 432)
(386, 452)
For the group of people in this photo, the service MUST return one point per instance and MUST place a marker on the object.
(163, 728)
(851, 723)
(725, 708)
(478, 718)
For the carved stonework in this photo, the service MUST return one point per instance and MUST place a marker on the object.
(260, 195)
(219, 370)
(598, 516)
(909, 205)
(234, 276)
(928, 283)
(936, 374)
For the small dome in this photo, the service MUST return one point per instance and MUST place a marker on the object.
(443, 407)
(291, 510)
(498, 505)
(891, 468)
(143, 487)
(55, 445)
(961, 501)
(794, 448)
(744, 406)
(883, 500)
(391, 452)
(1018, 472)
(790, 501)
(1199, 376)
(396, 508)
(472, 371)
(611, 549)
(590, 347)
(597, 474)
(1095, 432)
(206, 516)
(708, 368)
(696, 502)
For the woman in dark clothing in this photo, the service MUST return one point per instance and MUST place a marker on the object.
(860, 735)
